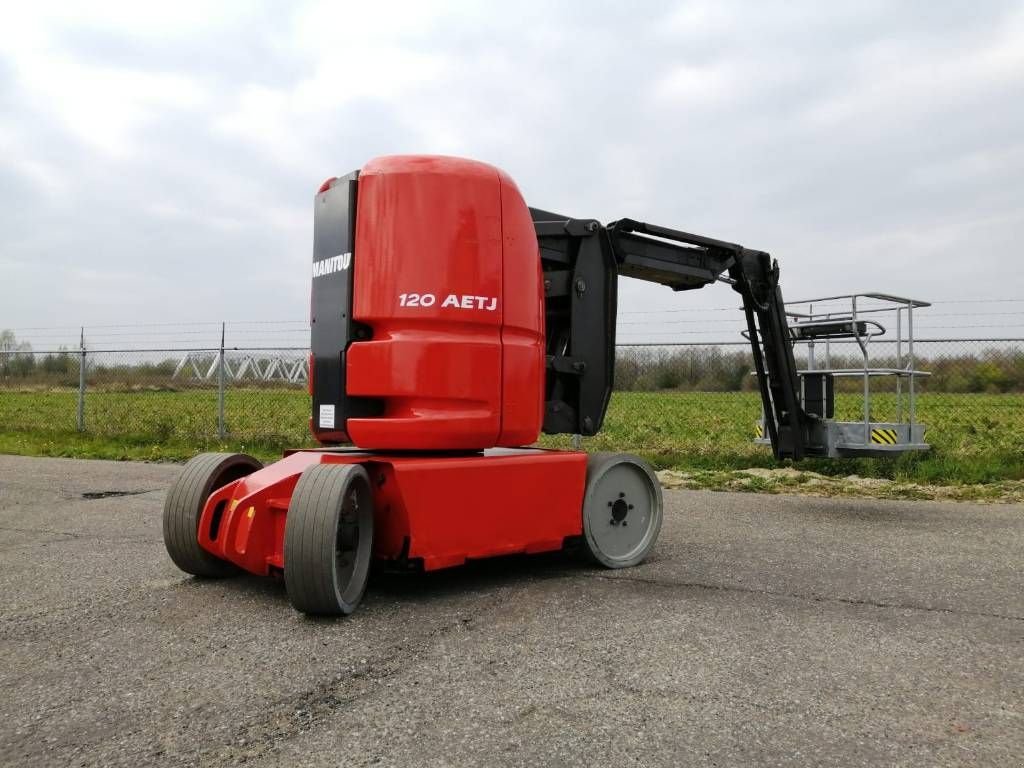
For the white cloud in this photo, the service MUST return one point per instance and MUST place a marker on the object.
(103, 106)
(182, 142)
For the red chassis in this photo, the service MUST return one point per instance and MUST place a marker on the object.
(436, 510)
(430, 353)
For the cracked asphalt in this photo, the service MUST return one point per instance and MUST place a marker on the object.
(765, 630)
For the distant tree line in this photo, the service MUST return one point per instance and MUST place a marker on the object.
(637, 369)
(17, 359)
(718, 369)
(19, 364)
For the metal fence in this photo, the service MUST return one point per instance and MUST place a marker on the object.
(669, 397)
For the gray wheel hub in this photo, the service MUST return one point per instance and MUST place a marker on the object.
(622, 510)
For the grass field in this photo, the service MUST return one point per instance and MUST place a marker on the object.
(976, 438)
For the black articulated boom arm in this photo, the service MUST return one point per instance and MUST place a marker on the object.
(581, 259)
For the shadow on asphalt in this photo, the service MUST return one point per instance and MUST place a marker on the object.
(474, 575)
(417, 587)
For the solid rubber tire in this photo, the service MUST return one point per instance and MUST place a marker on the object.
(310, 536)
(184, 504)
(597, 465)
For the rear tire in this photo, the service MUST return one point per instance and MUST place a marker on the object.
(186, 498)
(328, 539)
(622, 509)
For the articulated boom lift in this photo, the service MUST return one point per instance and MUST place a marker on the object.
(581, 255)
(451, 324)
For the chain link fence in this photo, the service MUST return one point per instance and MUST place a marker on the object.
(698, 400)
(194, 395)
(669, 399)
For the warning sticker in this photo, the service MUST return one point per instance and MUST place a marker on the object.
(326, 417)
(884, 436)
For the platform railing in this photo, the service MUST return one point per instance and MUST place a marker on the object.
(862, 331)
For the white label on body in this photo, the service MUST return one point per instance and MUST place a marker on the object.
(326, 417)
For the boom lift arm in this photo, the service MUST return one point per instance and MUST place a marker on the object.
(582, 258)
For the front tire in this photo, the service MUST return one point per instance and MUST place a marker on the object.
(328, 539)
(186, 498)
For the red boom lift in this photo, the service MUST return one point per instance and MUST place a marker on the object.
(451, 324)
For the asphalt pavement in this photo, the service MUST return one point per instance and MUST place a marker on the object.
(764, 630)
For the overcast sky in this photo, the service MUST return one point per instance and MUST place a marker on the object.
(159, 159)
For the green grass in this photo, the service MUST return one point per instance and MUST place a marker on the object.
(153, 425)
(976, 438)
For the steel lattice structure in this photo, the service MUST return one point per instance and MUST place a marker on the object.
(250, 365)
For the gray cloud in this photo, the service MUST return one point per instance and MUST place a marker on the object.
(162, 169)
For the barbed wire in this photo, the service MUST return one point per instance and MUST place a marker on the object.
(673, 310)
(303, 325)
(683, 325)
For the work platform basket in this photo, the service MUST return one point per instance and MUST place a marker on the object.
(820, 325)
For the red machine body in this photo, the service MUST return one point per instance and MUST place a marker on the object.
(438, 511)
(447, 304)
(428, 335)
(429, 354)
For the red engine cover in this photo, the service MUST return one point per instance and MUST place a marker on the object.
(447, 275)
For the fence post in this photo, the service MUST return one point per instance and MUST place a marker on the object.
(220, 387)
(81, 381)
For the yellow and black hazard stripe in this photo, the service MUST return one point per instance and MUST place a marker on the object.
(759, 430)
(883, 436)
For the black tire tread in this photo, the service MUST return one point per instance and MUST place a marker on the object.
(310, 534)
(184, 505)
